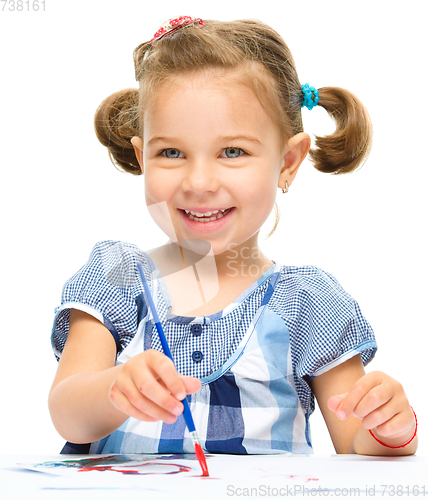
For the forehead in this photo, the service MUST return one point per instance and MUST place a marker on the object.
(212, 85)
(212, 98)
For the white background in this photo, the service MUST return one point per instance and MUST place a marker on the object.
(60, 193)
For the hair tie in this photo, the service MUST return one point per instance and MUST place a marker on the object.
(307, 96)
(172, 25)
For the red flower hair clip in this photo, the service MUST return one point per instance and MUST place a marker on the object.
(173, 25)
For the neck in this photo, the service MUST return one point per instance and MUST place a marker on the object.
(245, 261)
(203, 283)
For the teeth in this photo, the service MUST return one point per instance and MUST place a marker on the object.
(205, 217)
(206, 214)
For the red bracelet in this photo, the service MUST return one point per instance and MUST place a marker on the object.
(403, 445)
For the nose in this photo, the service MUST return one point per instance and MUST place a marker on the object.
(200, 176)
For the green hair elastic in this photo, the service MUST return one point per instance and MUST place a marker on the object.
(307, 96)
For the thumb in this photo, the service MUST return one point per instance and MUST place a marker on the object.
(334, 402)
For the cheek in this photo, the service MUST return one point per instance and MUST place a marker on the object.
(262, 195)
(157, 187)
(158, 194)
(262, 202)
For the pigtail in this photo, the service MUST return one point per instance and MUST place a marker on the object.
(349, 146)
(116, 122)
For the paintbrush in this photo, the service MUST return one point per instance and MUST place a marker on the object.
(186, 412)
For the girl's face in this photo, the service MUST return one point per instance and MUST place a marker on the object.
(212, 154)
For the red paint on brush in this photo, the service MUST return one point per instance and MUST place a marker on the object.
(201, 458)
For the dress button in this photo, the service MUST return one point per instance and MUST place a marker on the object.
(196, 330)
(197, 356)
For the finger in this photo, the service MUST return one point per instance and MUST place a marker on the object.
(334, 402)
(137, 405)
(389, 421)
(154, 398)
(396, 427)
(357, 393)
(374, 399)
(148, 396)
(122, 403)
(191, 384)
(379, 416)
(163, 368)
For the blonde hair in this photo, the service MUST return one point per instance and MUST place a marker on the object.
(262, 61)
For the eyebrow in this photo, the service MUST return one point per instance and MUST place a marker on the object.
(160, 139)
(248, 138)
(228, 138)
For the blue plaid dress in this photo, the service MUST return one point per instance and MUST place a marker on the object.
(254, 358)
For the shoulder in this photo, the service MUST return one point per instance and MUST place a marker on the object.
(105, 287)
(109, 256)
(111, 266)
(116, 250)
(308, 281)
(307, 293)
(325, 322)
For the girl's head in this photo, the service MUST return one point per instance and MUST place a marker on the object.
(240, 54)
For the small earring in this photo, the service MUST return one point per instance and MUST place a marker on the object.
(285, 189)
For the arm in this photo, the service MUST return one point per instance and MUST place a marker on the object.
(352, 402)
(91, 397)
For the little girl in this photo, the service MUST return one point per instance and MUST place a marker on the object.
(216, 129)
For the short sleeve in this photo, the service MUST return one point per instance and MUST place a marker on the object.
(104, 288)
(326, 326)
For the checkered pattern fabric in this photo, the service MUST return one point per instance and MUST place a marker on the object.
(254, 358)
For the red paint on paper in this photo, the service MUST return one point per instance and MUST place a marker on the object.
(140, 471)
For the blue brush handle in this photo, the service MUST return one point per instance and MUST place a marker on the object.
(186, 412)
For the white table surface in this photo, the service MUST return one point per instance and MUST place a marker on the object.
(268, 476)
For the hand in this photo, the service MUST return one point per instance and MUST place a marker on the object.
(149, 388)
(381, 404)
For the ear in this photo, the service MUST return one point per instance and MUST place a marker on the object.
(138, 148)
(296, 150)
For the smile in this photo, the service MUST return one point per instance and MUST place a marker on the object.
(207, 216)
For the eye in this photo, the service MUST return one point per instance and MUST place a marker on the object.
(171, 153)
(233, 152)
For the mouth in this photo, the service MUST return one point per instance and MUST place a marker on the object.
(210, 216)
